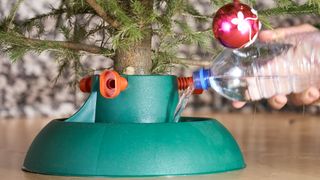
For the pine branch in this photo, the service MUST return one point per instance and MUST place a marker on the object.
(315, 3)
(69, 45)
(95, 30)
(265, 22)
(191, 62)
(101, 12)
(15, 40)
(285, 3)
(13, 12)
(296, 10)
(200, 17)
(55, 12)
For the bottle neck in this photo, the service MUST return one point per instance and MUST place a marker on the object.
(201, 79)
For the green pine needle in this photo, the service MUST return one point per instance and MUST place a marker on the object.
(77, 22)
(293, 10)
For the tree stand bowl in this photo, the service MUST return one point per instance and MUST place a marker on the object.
(133, 135)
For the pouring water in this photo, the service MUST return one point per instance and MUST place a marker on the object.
(183, 101)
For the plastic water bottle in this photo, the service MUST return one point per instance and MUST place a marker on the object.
(264, 70)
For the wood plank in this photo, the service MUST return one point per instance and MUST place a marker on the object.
(276, 146)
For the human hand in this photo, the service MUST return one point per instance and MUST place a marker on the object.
(310, 95)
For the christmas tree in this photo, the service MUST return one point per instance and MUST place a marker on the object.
(141, 36)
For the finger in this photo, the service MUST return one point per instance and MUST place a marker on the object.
(278, 101)
(316, 103)
(305, 98)
(280, 33)
(238, 104)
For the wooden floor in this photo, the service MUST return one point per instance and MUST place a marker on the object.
(275, 146)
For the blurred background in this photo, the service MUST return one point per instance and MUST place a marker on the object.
(28, 87)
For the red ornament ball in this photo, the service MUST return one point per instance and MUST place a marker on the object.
(236, 25)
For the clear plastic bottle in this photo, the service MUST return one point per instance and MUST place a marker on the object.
(264, 70)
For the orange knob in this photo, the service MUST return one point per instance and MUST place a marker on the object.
(85, 84)
(185, 82)
(111, 84)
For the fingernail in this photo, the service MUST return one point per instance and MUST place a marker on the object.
(238, 104)
(280, 100)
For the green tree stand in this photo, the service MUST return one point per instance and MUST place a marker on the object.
(133, 135)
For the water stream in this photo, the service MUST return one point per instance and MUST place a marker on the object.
(183, 101)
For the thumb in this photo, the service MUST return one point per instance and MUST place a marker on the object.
(238, 104)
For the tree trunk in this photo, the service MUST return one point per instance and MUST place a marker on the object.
(137, 59)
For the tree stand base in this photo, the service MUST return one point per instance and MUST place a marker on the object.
(79, 147)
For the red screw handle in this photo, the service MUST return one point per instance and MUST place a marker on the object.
(85, 84)
(185, 82)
